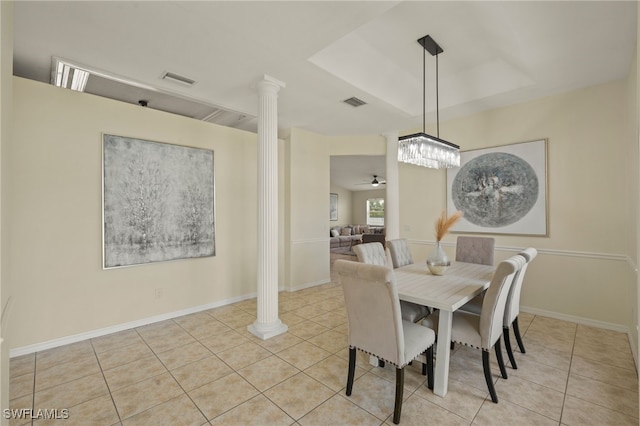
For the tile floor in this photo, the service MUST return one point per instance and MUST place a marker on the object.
(206, 369)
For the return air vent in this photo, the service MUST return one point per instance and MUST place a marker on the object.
(169, 76)
(354, 102)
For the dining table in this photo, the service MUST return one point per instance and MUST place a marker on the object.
(459, 284)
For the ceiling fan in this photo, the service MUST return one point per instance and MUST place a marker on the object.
(375, 182)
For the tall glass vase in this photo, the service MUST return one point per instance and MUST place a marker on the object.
(438, 261)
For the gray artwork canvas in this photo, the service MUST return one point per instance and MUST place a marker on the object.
(158, 202)
(500, 190)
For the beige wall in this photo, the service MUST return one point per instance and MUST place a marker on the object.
(60, 288)
(582, 271)
(6, 129)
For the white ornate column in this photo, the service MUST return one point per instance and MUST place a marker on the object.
(392, 199)
(267, 323)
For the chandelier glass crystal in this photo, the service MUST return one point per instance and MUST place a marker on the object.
(422, 149)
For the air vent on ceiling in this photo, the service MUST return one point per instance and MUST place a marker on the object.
(354, 102)
(177, 78)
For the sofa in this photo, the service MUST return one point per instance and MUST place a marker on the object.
(342, 238)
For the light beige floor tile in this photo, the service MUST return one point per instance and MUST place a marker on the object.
(374, 394)
(613, 397)
(62, 354)
(466, 366)
(541, 374)
(21, 385)
(461, 399)
(616, 355)
(250, 305)
(98, 411)
(115, 340)
(599, 336)
(307, 329)
(133, 372)
(280, 343)
(72, 393)
(331, 319)
(413, 378)
(552, 329)
(201, 372)
(193, 320)
(258, 407)
(604, 373)
(303, 355)
(542, 338)
(223, 341)
(338, 411)
(164, 342)
(23, 364)
(224, 311)
(268, 372)
(309, 311)
(238, 321)
(124, 355)
(159, 329)
(509, 414)
(342, 329)
(222, 395)
(299, 395)
(332, 372)
(544, 354)
(291, 318)
(177, 411)
(66, 372)
(583, 413)
(177, 357)
(211, 327)
(18, 405)
(243, 355)
(330, 341)
(419, 412)
(532, 396)
(143, 395)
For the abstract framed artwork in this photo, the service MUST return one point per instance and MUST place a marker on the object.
(158, 202)
(501, 190)
(333, 206)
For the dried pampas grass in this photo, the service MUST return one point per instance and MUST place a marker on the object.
(444, 223)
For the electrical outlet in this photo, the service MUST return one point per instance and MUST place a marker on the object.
(158, 293)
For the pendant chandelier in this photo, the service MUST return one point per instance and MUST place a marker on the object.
(420, 148)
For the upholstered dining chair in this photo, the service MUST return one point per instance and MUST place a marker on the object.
(512, 308)
(401, 256)
(475, 250)
(484, 331)
(376, 327)
(374, 254)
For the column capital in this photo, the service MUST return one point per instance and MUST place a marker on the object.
(391, 134)
(268, 84)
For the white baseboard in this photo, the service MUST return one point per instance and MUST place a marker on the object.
(579, 320)
(309, 285)
(49, 344)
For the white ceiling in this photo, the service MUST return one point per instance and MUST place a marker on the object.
(495, 53)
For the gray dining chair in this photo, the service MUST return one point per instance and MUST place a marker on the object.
(475, 250)
(376, 326)
(374, 254)
(512, 308)
(484, 331)
(401, 256)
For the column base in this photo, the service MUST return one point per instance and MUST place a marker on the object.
(266, 331)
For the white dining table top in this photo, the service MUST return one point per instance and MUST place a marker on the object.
(459, 284)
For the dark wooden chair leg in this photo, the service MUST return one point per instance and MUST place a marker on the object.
(429, 355)
(397, 409)
(380, 363)
(507, 346)
(500, 360)
(516, 332)
(452, 346)
(352, 369)
(486, 365)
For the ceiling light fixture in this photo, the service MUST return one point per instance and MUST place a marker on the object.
(69, 76)
(420, 148)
